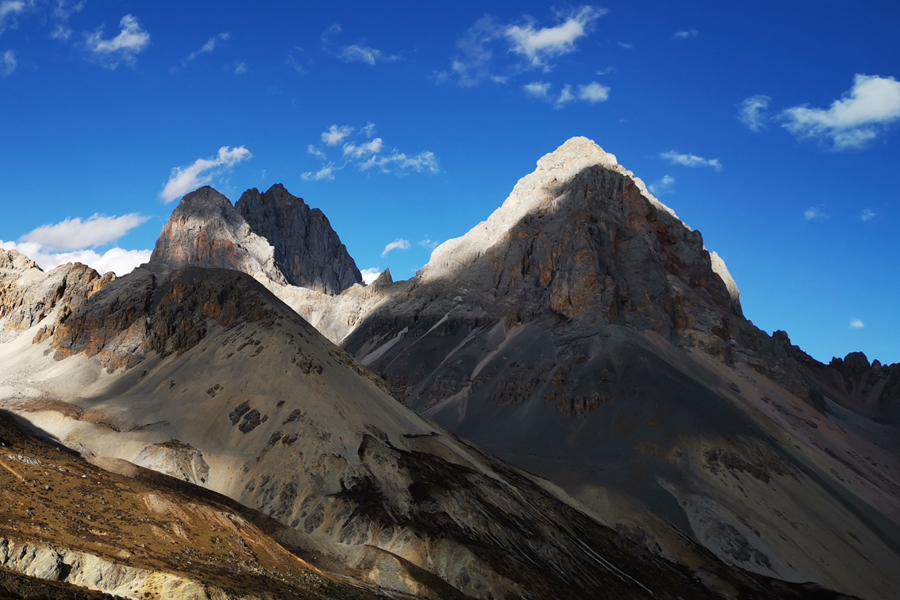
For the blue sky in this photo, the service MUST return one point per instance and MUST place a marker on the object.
(772, 128)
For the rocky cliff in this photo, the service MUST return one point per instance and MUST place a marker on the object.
(273, 236)
(307, 249)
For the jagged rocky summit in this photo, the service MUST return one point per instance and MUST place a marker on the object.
(272, 236)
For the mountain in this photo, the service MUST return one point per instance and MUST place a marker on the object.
(204, 375)
(273, 236)
(583, 334)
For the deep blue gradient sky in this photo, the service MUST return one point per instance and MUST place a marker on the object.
(101, 100)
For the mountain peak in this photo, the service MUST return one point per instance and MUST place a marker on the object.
(306, 248)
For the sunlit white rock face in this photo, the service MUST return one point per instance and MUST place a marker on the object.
(544, 185)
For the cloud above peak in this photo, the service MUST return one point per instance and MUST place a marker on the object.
(202, 172)
(862, 113)
(539, 45)
(497, 52)
(365, 155)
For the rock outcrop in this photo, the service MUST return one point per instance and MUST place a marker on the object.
(274, 236)
(307, 250)
(205, 230)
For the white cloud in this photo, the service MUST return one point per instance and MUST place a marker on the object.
(239, 67)
(353, 52)
(75, 234)
(8, 63)
(366, 155)
(529, 45)
(336, 134)
(398, 244)
(429, 243)
(202, 172)
(685, 34)
(867, 215)
(624, 45)
(538, 89)
(540, 45)
(856, 324)
(207, 48)
(326, 172)
(400, 163)
(863, 112)
(593, 92)
(9, 10)
(565, 96)
(663, 186)
(373, 147)
(370, 275)
(118, 260)
(691, 160)
(473, 65)
(814, 212)
(60, 15)
(751, 112)
(130, 42)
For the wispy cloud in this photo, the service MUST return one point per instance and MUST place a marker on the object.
(867, 215)
(335, 135)
(60, 16)
(814, 213)
(131, 41)
(326, 172)
(207, 48)
(685, 34)
(751, 112)
(297, 61)
(591, 93)
(371, 155)
(691, 160)
(398, 244)
(429, 243)
(353, 52)
(624, 45)
(8, 63)
(77, 234)
(202, 172)
(9, 11)
(539, 45)
(362, 150)
(118, 260)
(863, 112)
(484, 51)
(238, 67)
(856, 324)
